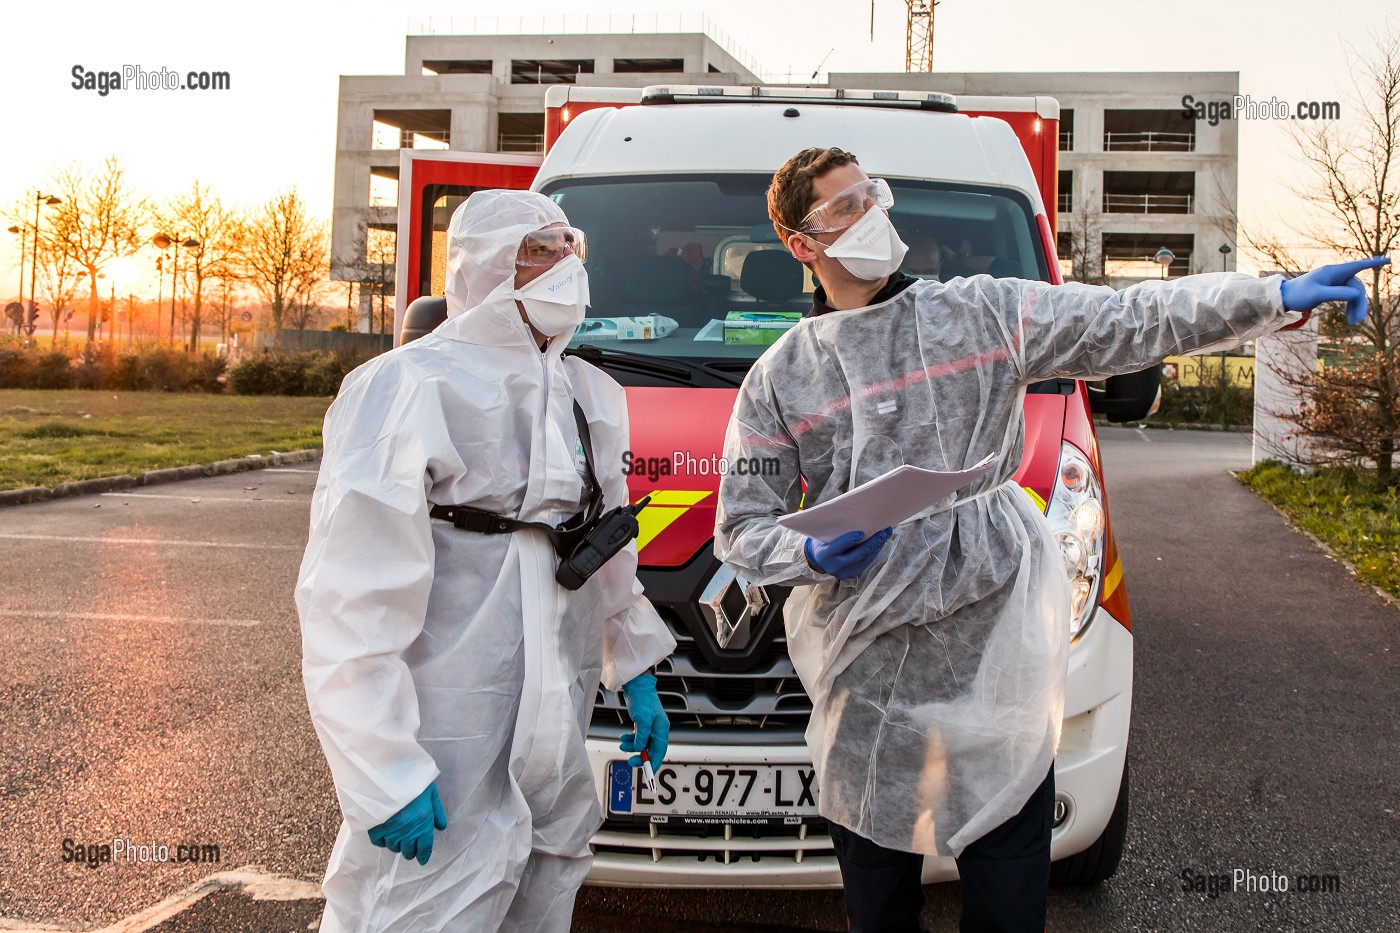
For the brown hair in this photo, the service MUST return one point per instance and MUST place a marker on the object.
(791, 194)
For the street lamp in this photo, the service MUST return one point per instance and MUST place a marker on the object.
(39, 199)
(23, 241)
(1225, 252)
(1164, 258)
(164, 242)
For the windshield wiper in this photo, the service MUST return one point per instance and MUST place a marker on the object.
(677, 369)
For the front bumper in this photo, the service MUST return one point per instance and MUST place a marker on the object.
(1093, 747)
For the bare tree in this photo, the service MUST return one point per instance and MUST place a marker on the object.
(1352, 411)
(307, 306)
(59, 278)
(371, 263)
(223, 308)
(201, 215)
(1085, 250)
(96, 222)
(283, 252)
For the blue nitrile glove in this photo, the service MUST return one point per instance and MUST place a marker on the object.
(410, 831)
(1332, 283)
(847, 556)
(652, 728)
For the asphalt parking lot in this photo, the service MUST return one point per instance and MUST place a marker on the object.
(153, 696)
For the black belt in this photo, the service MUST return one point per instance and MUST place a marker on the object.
(566, 536)
(489, 523)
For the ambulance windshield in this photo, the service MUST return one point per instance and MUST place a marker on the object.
(690, 266)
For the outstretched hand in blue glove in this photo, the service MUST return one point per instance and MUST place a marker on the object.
(848, 555)
(652, 726)
(1337, 282)
(410, 831)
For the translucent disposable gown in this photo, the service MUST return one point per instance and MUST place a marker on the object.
(937, 676)
(437, 654)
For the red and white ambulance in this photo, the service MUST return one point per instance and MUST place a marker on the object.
(689, 285)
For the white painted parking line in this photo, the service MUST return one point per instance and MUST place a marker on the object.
(289, 470)
(247, 882)
(198, 499)
(121, 617)
(154, 542)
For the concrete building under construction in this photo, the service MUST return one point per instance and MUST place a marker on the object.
(1135, 175)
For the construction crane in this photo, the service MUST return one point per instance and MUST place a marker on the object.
(918, 35)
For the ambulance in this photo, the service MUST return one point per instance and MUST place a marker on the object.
(689, 284)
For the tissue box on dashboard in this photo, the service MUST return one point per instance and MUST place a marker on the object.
(758, 327)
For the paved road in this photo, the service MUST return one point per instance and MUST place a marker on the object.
(152, 694)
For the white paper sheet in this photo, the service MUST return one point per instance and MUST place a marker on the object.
(883, 502)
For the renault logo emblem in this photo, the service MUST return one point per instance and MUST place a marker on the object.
(731, 604)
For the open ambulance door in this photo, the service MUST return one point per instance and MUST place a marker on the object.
(431, 185)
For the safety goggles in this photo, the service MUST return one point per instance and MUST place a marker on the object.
(850, 205)
(544, 248)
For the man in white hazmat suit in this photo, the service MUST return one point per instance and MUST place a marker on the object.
(450, 678)
(935, 654)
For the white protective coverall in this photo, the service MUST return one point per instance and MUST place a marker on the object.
(937, 676)
(432, 653)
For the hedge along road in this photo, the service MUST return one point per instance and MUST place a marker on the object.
(153, 693)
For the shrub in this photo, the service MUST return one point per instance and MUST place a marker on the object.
(310, 373)
(206, 373)
(1223, 405)
(16, 367)
(255, 376)
(93, 370)
(127, 374)
(51, 370)
(324, 375)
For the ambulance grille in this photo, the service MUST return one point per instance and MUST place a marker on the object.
(761, 705)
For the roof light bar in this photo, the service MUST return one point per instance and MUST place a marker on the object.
(710, 94)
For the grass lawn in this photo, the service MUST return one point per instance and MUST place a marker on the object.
(52, 437)
(1344, 510)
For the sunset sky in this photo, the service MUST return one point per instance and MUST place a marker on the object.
(276, 126)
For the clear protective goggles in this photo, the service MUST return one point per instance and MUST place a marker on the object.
(543, 248)
(850, 205)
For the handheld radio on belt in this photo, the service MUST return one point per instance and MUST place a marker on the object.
(584, 543)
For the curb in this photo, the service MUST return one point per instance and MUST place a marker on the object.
(1177, 426)
(89, 487)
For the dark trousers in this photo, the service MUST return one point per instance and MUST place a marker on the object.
(1005, 876)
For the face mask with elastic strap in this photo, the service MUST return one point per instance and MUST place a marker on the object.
(584, 543)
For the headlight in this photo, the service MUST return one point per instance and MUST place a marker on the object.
(1077, 518)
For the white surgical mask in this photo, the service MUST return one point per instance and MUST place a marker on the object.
(557, 300)
(870, 249)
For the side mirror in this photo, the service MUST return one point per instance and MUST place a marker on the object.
(422, 316)
(1130, 397)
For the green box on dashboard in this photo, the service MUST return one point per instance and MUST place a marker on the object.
(758, 327)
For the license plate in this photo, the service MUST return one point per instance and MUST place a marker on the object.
(723, 793)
